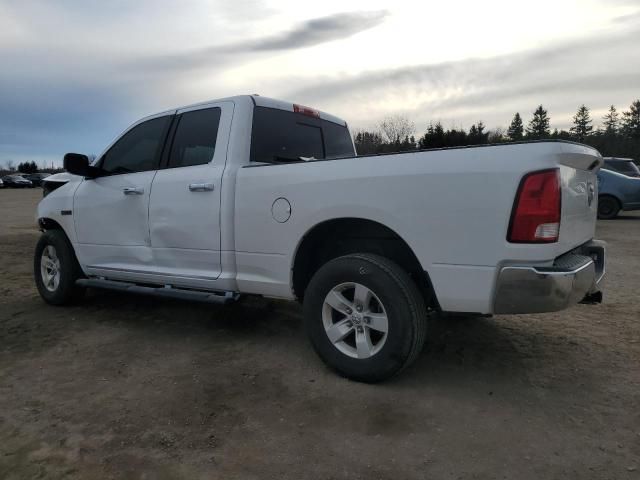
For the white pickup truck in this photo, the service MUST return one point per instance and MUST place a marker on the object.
(250, 195)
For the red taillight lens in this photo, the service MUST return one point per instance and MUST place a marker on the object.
(536, 213)
(308, 111)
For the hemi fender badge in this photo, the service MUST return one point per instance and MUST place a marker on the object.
(66, 212)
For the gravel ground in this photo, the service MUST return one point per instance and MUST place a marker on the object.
(128, 387)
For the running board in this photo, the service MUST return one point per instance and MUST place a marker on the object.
(220, 298)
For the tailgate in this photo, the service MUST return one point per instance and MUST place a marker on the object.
(578, 167)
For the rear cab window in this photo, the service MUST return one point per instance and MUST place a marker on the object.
(280, 136)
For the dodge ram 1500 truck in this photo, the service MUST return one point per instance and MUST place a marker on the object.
(250, 195)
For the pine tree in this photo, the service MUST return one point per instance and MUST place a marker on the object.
(438, 136)
(631, 120)
(516, 129)
(28, 167)
(368, 142)
(477, 135)
(581, 123)
(425, 140)
(611, 121)
(539, 125)
(473, 134)
(481, 132)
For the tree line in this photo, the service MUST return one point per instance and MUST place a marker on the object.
(9, 167)
(617, 135)
(27, 167)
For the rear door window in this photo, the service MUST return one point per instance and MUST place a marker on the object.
(194, 142)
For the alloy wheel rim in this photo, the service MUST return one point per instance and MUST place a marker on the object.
(50, 268)
(355, 320)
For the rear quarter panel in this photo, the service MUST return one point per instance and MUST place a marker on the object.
(452, 207)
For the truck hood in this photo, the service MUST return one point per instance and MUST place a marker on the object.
(62, 177)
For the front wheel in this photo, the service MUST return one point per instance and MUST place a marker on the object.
(365, 317)
(56, 269)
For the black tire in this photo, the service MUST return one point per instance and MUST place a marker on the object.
(66, 291)
(402, 302)
(608, 207)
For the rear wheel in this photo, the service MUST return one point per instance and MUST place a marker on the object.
(56, 269)
(365, 317)
(608, 207)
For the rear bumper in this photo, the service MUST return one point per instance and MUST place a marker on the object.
(575, 276)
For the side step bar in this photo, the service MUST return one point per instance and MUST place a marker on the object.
(220, 298)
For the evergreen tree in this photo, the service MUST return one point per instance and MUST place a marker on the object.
(456, 138)
(477, 135)
(438, 135)
(473, 133)
(631, 121)
(368, 142)
(516, 129)
(611, 121)
(425, 140)
(539, 125)
(28, 167)
(435, 137)
(581, 123)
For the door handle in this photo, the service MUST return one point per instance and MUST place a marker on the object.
(201, 187)
(133, 190)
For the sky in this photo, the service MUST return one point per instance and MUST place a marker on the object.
(75, 73)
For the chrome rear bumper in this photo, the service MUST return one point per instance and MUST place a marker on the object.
(573, 277)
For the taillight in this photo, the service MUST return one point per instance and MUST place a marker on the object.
(536, 213)
(310, 112)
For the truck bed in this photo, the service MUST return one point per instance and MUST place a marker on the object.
(452, 206)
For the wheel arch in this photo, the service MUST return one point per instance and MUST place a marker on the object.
(611, 195)
(46, 223)
(336, 237)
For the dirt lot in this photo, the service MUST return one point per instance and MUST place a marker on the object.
(128, 387)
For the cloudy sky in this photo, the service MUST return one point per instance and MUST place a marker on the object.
(75, 73)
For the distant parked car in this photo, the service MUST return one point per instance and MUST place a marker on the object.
(36, 178)
(1, 183)
(617, 192)
(16, 181)
(622, 165)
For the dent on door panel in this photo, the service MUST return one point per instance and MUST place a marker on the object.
(104, 215)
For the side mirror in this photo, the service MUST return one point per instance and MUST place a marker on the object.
(78, 164)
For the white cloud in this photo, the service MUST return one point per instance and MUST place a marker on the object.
(76, 72)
